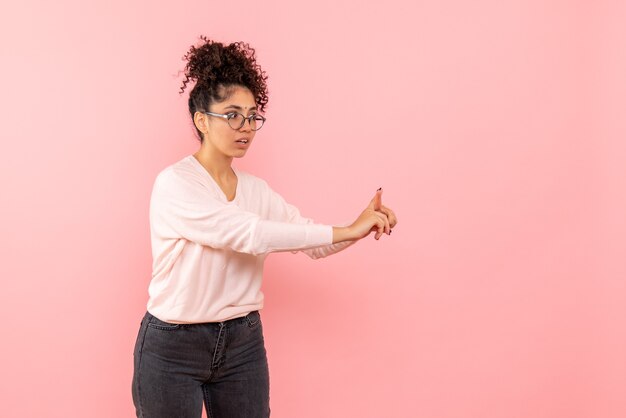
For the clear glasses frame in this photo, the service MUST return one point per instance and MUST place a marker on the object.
(230, 115)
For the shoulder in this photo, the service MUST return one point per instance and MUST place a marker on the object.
(258, 189)
(179, 173)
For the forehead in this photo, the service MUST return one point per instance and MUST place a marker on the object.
(239, 98)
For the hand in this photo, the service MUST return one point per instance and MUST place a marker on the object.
(371, 220)
(377, 205)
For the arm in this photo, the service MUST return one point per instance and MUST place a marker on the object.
(289, 213)
(341, 241)
(182, 207)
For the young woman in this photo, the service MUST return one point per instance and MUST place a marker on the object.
(212, 226)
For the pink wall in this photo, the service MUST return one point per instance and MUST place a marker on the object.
(495, 128)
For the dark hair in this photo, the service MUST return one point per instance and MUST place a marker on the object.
(217, 69)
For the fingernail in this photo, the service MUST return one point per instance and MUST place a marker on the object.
(390, 231)
(379, 189)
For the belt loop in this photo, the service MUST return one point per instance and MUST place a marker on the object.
(253, 317)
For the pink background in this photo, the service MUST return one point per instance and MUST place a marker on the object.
(495, 128)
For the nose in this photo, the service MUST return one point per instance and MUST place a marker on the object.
(243, 127)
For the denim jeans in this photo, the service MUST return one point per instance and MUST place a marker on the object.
(177, 367)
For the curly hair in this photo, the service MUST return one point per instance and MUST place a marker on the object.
(217, 69)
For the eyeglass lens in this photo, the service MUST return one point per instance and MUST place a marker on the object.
(236, 121)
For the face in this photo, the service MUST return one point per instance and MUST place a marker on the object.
(218, 135)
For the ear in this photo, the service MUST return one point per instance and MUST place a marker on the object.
(201, 122)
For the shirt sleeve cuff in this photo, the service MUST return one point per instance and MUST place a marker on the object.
(318, 234)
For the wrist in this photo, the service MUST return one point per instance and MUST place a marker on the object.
(342, 233)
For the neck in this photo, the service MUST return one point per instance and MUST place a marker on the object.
(217, 164)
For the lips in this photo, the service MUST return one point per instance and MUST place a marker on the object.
(243, 140)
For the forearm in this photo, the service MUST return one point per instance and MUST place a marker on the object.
(326, 250)
(342, 233)
(341, 240)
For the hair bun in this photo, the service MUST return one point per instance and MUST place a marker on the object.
(213, 62)
(204, 61)
(214, 65)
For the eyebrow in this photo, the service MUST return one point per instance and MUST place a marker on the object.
(238, 107)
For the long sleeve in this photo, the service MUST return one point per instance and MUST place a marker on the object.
(329, 249)
(286, 212)
(182, 207)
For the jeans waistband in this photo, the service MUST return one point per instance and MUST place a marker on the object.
(251, 318)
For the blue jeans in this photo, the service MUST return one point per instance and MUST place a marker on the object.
(178, 366)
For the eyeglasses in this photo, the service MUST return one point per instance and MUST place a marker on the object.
(236, 120)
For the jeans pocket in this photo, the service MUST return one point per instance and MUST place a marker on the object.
(141, 335)
(253, 319)
(156, 323)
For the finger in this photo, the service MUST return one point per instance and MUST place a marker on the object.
(383, 225)
(390, 215)
(387, 226)
(385, 219)
(378, 199)
(377, 225)
(393, 220)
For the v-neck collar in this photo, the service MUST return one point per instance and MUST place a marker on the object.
(198, 165)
